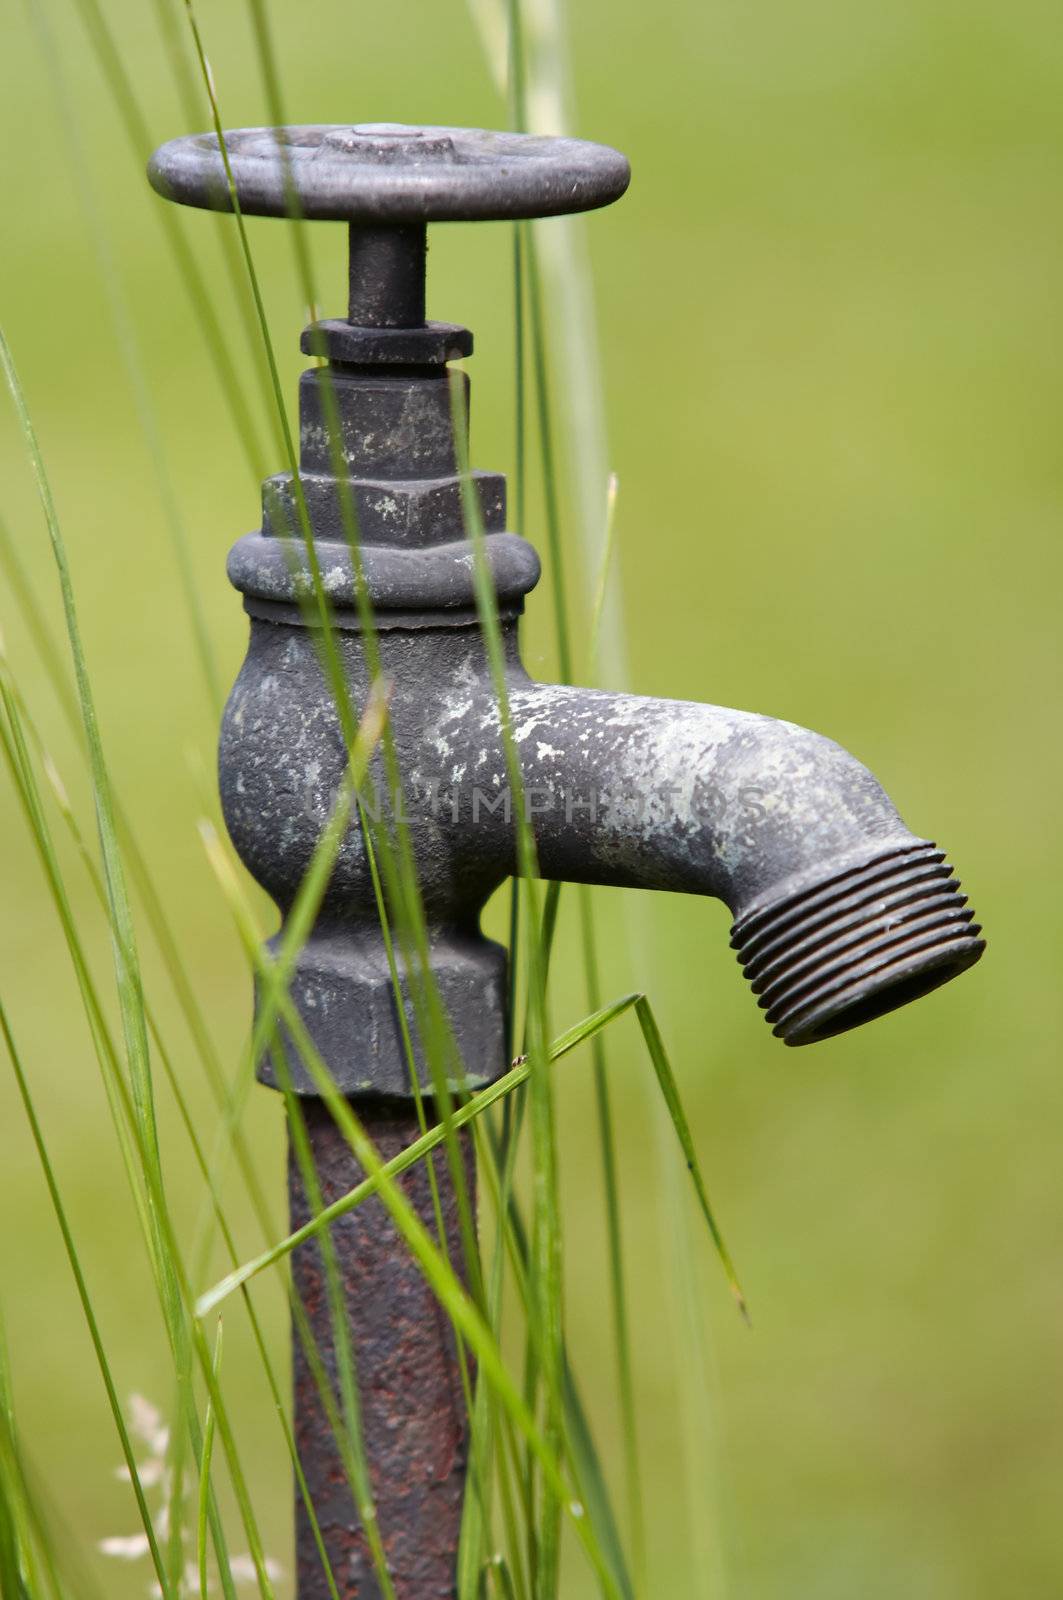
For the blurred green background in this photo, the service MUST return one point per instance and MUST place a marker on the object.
(830, 321)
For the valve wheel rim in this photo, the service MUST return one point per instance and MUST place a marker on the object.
(388, 173)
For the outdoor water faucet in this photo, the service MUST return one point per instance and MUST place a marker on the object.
(840, 913)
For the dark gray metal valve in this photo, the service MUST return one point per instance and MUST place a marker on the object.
(840, 913)
(388, 182)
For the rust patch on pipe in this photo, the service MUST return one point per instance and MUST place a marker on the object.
(414, 1420)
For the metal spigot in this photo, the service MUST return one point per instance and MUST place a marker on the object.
(839, 912)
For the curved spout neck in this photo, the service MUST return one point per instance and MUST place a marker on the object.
(840, 912)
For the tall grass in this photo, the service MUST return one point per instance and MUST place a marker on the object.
(535, 1466)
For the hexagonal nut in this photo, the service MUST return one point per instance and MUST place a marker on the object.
(342, 991)
(423, 511)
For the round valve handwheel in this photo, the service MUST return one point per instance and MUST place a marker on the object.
(385, 173)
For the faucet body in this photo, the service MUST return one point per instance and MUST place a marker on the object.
(837, 907)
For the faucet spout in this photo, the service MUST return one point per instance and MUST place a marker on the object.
(840, 912)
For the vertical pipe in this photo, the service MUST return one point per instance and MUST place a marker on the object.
(414, 1421)
(386, 276)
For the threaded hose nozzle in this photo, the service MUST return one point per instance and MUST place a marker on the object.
(863, 943)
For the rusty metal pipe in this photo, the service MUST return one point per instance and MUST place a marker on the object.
(413, 1414)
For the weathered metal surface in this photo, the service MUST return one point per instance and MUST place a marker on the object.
(435, 582)
(352, 345)
(388, 512)
(619, 789)
(414, 1421)
(878, 935)
(388, 425)
(389, 173)
(840, 913)
(385, 272)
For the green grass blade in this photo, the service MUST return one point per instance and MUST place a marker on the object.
(189, 90)
(207, 1170)
(88, 1311)
(127, 971)
(558, 584)
(587, 1468)
(123, 941)
(34, 1555)
(546, 49)
(204, 1476)
(501, 1579)
(141, 1172)
(334, 671)
(434, 1266)
(49, 653)
(581, 1453)
(417, 1151)
(476, 1508)
(546, 1254)
(402, 885)
(230, 1110)
(10, 1567)
(124, 97)
(128, 349)
(30, 1559)
(601, 587)
(617, 1284)
(351, 1441)
(430, 1010)
(670, 1094)
(154, 1193)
